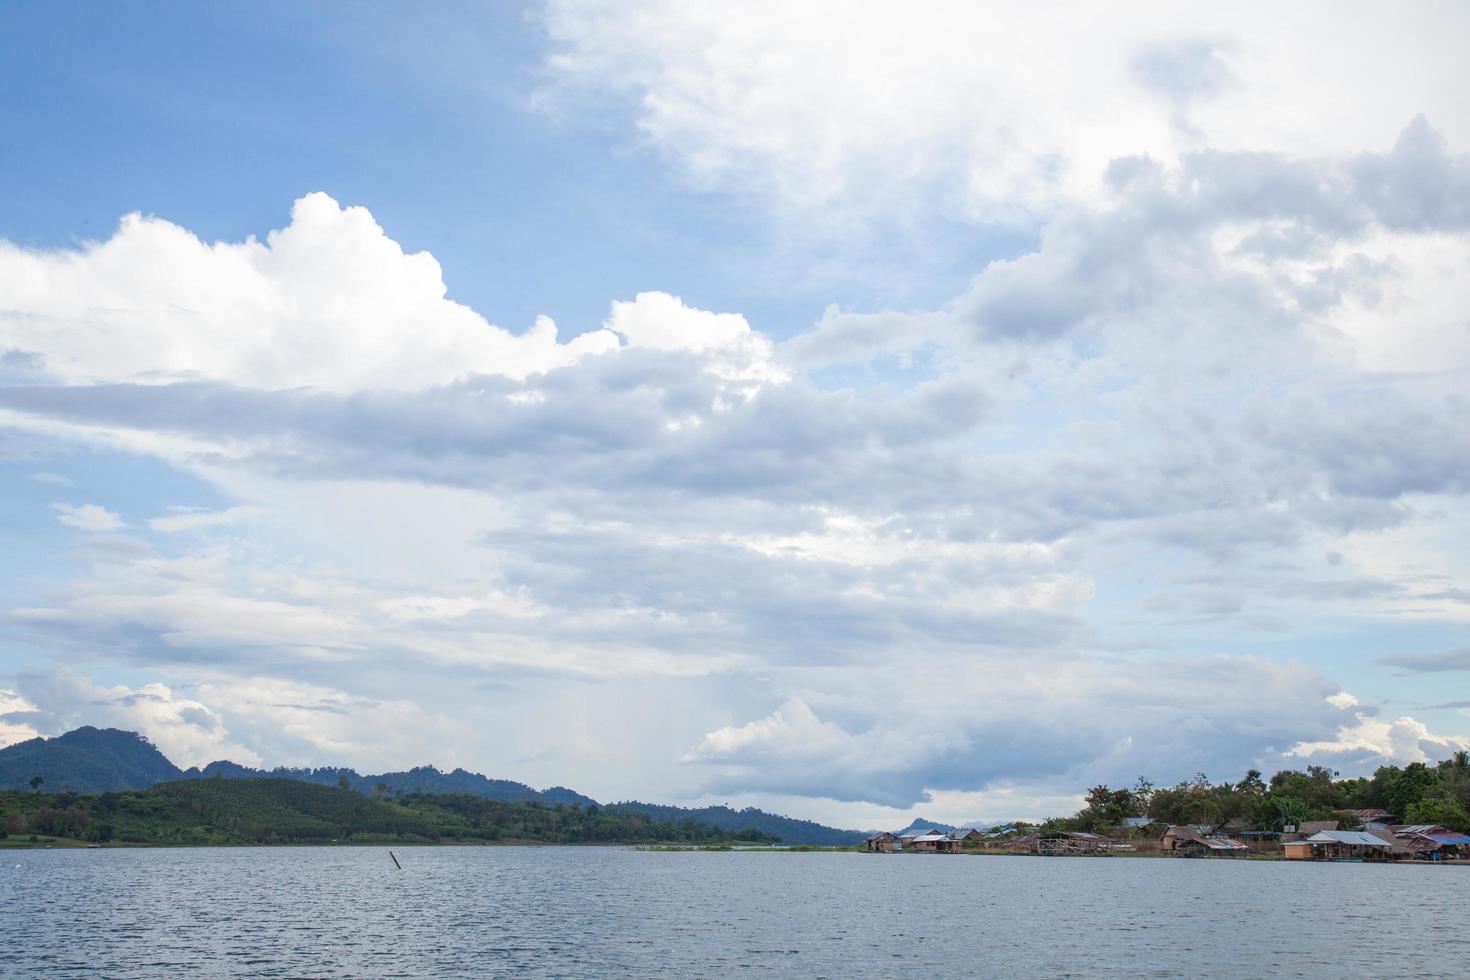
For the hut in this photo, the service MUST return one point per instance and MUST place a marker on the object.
(1073, 842)
(1447, 845)
(884, 843)
(965, 835)
(1192, 842)
(1175, 836)
(1338, 845)
(931, 841)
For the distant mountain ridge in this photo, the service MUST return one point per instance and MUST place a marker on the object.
(421, 779)
(98, 760)
(789, 829)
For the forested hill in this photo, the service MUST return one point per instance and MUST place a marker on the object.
(422, 779)
(91, 760)
(86, 760)
(275, 811)
(788, 829)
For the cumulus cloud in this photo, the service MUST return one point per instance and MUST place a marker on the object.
(327, 302)
(843, 115)
(1177, 424)
(14, 709)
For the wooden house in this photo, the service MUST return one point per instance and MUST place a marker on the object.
(885, 843)
(1339, 845)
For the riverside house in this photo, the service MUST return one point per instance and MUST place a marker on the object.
(1339, 845)
(1192, 842)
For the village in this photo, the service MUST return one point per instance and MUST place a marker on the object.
(1368, 838)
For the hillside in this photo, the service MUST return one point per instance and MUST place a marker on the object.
(86, 760)
(271, 810)
(788, 829)
(421, 779)
(90, 760)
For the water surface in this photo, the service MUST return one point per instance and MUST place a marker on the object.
(579, 912)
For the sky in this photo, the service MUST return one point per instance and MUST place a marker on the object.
(858, 411)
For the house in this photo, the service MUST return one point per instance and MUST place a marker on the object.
(1074, 842)
(1233, 826)
(1372, 815)
(965, 835)
(1212, 847)
(1175, 836)
(885, 842)
(1338, 845)
(1193, 842)
(1307, 828)
(1433, 842)
(931, 841)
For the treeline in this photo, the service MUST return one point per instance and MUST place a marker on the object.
(1416, 793)
(276, 811)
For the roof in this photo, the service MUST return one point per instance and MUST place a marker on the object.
(1184, 833)
(931, 836)
(1315, 826)
(1428, 829)
(960, 833)
(1344, 837)
(883, 835)
(1372, 813)
(1079, 835)
(1219, 843)
(1449, 838)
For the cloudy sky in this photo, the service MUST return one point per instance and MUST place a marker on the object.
(854, 410)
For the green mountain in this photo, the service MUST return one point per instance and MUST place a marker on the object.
(788, 829)
(421, 779)
(91, 760)
(270, 810)
(86, 760)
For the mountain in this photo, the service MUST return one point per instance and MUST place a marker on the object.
(270, 810)
(788, 829)
(421, 779)
(91, 760)
(86, 760)
(921, 825)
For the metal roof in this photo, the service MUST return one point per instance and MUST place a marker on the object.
(932, 835)
(1344, 837)
(1450, 838)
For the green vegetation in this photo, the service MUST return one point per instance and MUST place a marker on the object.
(1416, 793)
(280, 811)
(86, 760)
(784, 828)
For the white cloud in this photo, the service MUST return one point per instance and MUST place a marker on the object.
(1397, 742)
(181, 520)
(11, 732)
(327, 302)
(1178, 424)
(55, 479)
(87, 517)
(837, 113)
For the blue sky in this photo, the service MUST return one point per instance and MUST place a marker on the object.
(1109, 372)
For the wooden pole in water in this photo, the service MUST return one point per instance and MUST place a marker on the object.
(395, 861)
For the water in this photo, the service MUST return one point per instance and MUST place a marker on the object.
(580, 912)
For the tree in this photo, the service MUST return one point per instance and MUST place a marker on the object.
(343, 782)
(1445, 812)
(380, 790)
(1415, 783)
(36, 782)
